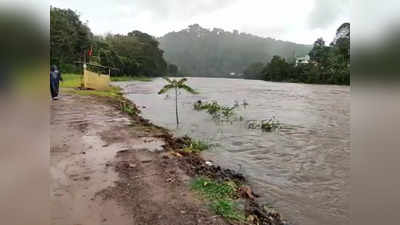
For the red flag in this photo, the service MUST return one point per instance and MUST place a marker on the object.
(90, 52)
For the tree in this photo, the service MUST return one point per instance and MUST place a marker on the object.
(139, 54)
(172, 69)
(254, 71)
(277, 70)
(176, 84)
(69, 38)
(319, 52)
(216, 53)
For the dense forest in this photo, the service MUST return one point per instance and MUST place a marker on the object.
(201, 52)
(327, 64)
(71, 41)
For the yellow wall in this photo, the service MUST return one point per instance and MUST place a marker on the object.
(95, 81)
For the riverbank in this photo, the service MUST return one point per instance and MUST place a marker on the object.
(154, 179)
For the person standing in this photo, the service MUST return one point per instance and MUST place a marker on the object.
(55, 78)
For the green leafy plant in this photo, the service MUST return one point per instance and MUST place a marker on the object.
(216, 110)
(227, 209)
(221, 196)
(270, 124)
(197, 146)
(214, 190)
(127, 108)
(176, 84)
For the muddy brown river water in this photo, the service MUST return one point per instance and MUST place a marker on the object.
(302, 169)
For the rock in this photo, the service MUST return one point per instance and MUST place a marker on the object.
(165, 155)
(208, 163)
(146, 160)
(246, 192)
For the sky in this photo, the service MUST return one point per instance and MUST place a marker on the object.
(297, 21)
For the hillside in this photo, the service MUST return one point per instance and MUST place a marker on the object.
(201, 52)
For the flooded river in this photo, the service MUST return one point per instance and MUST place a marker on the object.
(302, 169)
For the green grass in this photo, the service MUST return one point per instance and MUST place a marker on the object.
(213, 189)
(197, 146)
(134, 78)
(71, 82)
(228, 210)
(127, 108)
(221, 196)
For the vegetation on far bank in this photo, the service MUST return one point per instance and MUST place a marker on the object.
(327, 64)
(199, 51)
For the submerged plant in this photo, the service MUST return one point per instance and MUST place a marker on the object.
(216, 110)
(269, 125)
(176, 84)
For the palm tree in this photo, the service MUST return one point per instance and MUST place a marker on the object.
(176, 84)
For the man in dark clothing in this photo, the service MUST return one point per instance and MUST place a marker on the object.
(55, 78)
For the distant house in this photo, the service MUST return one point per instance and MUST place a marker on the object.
(303, 60)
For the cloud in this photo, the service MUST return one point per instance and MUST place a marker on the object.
(298, 21)
(326, 12)
(177, 9)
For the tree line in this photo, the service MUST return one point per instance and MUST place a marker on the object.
(327, 65)
(71, 41)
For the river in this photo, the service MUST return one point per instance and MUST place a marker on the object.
(302, 169)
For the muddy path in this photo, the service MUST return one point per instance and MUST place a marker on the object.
(106, 168)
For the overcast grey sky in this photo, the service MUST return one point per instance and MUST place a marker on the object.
(298, 21)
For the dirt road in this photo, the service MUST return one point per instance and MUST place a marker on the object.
(107, 169)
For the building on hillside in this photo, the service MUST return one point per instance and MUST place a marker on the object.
(302, 60)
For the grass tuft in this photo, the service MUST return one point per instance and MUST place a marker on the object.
(128, 108)
(221, 196)
(213, 189)
(196, 146)
(227, 209)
